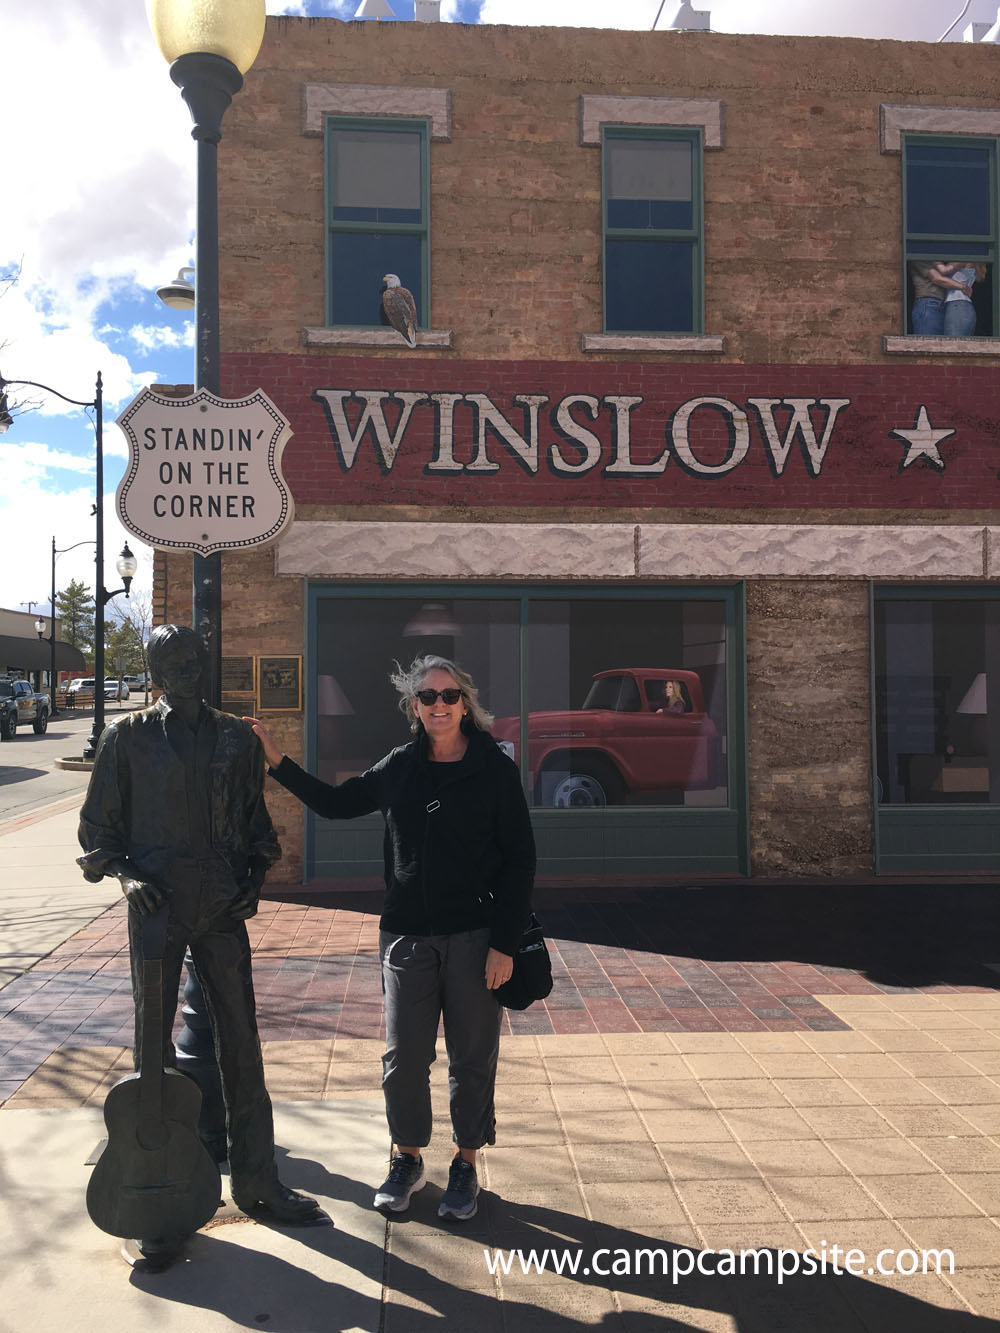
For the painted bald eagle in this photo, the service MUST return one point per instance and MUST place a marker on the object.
(400, 308)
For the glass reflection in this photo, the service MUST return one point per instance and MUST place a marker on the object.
(626, 700)
(936, 743)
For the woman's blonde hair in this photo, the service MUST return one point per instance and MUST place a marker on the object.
(407, 681)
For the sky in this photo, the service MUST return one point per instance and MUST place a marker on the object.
(98, 210)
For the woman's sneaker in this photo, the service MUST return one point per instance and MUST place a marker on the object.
(459, 1199)
(406, 1174)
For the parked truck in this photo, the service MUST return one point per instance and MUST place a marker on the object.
(623, 741)
(20, 703)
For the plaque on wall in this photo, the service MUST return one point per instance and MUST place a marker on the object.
(238, 676)
(240, 705)
(279, 684)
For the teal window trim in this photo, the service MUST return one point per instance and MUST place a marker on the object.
(926, 246)
(332, 226)
(873, 726)
(693, 234)
(732, 595)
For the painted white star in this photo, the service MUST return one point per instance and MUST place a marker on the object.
(922, 441)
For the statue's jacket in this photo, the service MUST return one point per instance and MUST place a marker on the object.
(459, 850)
(136, 808)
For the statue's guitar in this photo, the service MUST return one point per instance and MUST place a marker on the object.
(155, 1179)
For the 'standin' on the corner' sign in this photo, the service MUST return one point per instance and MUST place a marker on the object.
(204, 472)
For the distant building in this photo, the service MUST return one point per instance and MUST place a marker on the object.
(666, 412)
(23, 654)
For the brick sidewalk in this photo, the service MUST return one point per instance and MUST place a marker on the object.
(317, 979)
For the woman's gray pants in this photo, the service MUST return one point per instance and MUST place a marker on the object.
(423, 978)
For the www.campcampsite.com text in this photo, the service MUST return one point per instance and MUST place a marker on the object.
(679, 1263)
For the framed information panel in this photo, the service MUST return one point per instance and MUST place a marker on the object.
(239, 675)
(279, 684)
(239, 686)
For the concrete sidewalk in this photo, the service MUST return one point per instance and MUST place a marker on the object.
(875, 1128)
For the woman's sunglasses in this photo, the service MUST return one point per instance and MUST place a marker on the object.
(430, 697)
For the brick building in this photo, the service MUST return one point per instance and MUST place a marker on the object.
(666, 419)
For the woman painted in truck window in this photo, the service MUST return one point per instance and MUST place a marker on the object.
(673, 699)
(459, 868)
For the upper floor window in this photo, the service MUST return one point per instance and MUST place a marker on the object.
(950, 235)
(377, 216)
(652, 203)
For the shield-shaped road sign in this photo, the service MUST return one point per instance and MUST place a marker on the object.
(204, 472)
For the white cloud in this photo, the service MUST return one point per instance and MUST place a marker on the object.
(25, 572)
(27, 458)
(150, 337)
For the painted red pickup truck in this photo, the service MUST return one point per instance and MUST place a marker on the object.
(621, 742)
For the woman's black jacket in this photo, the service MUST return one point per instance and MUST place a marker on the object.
(459, 850)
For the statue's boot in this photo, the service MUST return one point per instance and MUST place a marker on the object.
(275, 1202)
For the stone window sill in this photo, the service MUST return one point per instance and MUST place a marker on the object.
(350, 337)
(916, 344)
(652, 342)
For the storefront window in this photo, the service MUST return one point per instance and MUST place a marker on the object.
(936, 740)
(624, 699)
(359, 639)
(626, 702)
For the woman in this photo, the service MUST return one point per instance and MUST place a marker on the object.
(959, 312)
(459, 866)
(673, 699)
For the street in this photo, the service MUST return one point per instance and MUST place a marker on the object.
(29, 778)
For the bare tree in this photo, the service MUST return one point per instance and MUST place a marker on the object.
(133, 616)
(17, 400)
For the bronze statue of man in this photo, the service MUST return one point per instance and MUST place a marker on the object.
(175, 809)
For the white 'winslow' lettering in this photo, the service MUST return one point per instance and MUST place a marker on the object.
(466, 430)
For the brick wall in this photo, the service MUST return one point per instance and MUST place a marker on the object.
(809, 727)
(802, 225)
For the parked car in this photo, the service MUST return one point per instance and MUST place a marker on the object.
(621, 742)
(20, 703)
(87, 684)
(136, 683)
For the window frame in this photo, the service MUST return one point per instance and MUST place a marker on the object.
(695, 136)
(915, 838)
(912, 249)
(334, 227)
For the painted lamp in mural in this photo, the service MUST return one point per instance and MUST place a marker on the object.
(400, 308)
(628, 739)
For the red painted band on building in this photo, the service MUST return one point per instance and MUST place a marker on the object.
(409, 431)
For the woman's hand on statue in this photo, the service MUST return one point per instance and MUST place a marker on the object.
(272, 754)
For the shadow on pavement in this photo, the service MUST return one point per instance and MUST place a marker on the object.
(255, 1289)
(897, 935)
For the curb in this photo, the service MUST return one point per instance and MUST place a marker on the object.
(45, 812)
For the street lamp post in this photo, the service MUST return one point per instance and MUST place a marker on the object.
(51, 640)
(127, 563)
(210, 44)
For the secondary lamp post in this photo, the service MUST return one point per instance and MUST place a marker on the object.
(126, 563)
(52, 610)
(210, 44)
